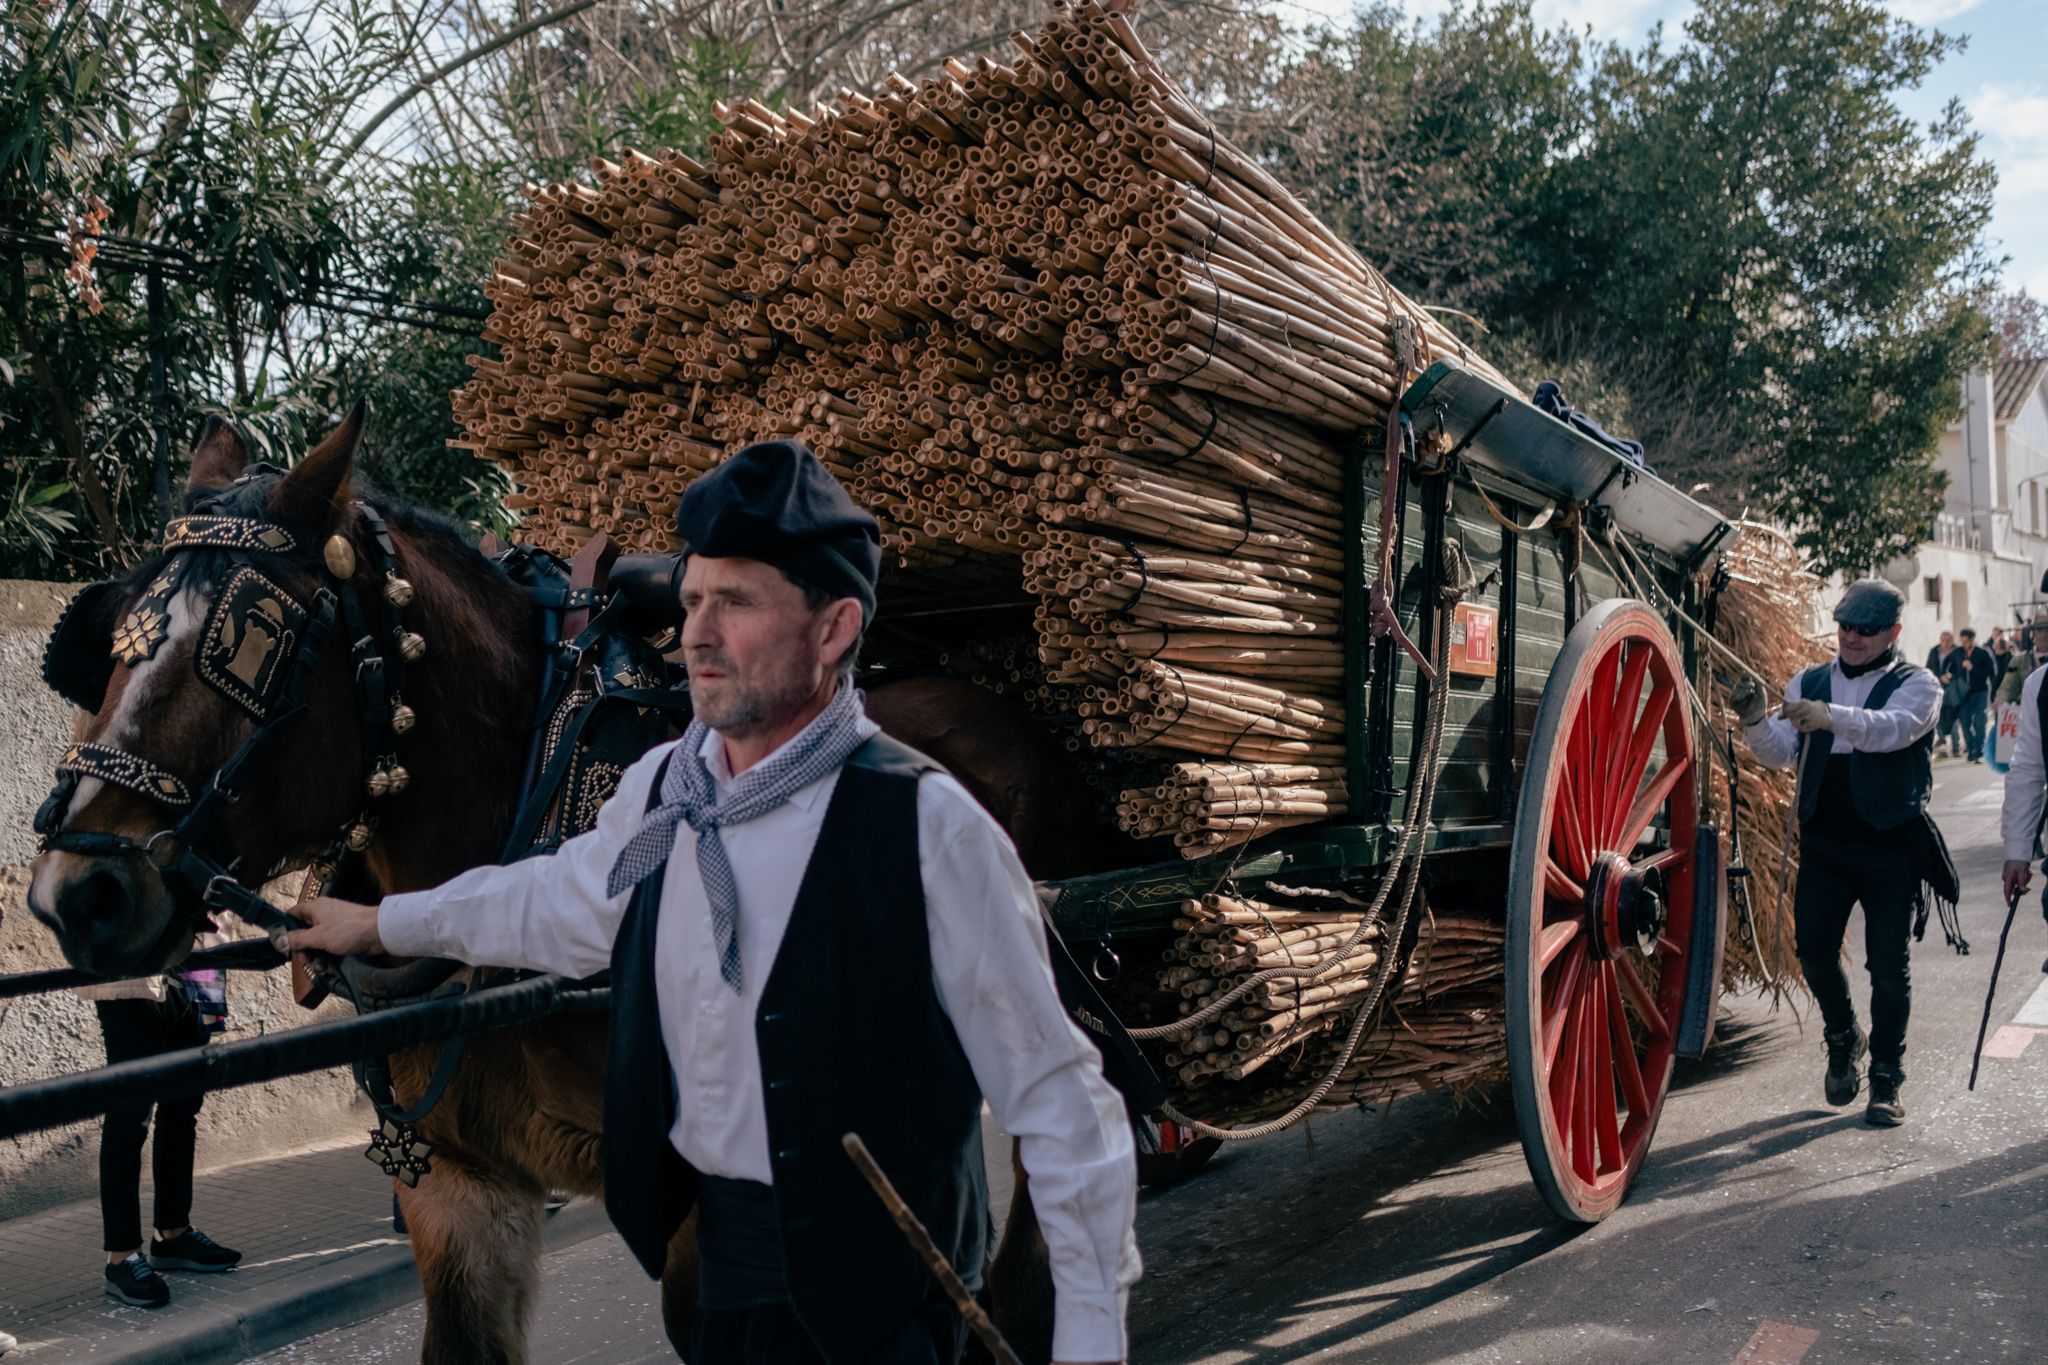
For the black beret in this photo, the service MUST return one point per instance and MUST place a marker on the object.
(773, 501)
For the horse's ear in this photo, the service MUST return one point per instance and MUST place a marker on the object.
(219, 458)
(317, 489)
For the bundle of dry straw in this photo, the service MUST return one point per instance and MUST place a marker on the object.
(1766, 617)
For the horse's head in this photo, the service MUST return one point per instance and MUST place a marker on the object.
(193, 676)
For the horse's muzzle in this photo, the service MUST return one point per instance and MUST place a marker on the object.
(112, 916)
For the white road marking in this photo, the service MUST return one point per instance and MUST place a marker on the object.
(2034, 1014)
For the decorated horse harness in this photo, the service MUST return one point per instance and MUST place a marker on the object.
(606, 698)
(259, 647)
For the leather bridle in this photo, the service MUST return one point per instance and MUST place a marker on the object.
(192, 853)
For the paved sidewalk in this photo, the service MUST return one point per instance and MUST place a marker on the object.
(318, 1252)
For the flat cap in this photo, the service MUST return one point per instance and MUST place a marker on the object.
(1871, 603)
(773, 501)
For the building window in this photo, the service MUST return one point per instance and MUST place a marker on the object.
(2036, 490)
(1932, 587)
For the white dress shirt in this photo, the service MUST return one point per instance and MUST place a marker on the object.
(2020, 816)
(1906, 715)
(1041, 1076)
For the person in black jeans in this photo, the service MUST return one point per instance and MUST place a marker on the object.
(1977, 670)
(1860, 731)
(147, 1019)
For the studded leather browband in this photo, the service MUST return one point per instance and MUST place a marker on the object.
(123, 769)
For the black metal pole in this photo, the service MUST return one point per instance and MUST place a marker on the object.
(68, 1099)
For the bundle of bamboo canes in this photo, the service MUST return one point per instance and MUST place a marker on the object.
(1446, 1023)
(1047, 326)
(1767, 617)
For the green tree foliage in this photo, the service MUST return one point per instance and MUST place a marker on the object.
(176, 142)
(1760, 221)
(1734, 245)
(1731, 243)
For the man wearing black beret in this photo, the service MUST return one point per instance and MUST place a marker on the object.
(811, 930)
(1861, 729)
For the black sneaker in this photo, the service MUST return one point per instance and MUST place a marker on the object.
(1886, 1109)
(192, 1250)
(136, 1283)
(1845, 1050)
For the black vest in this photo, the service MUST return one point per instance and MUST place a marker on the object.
(852, 1039)
(1887, 789)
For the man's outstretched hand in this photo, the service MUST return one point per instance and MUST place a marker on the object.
(2019, 874)
(334, 926)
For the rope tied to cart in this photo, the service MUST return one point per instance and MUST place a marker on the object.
(1403, 874)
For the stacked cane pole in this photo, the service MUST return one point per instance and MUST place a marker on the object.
(1050, 329)
(1445, 1026)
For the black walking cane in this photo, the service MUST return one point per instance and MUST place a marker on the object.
(2012, 908)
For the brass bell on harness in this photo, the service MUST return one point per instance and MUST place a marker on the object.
(411, 644)
(389, 780)
(398, 592)
(403, 718)
(340, 557)
(359, 836)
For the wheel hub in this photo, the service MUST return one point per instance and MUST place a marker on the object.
(1625, 906)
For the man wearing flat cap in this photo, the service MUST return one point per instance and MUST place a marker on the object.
(1861, 729)
(811, 930)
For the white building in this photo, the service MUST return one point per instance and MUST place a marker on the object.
(1982, 568)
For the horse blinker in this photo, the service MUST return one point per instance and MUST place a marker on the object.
(78, 661)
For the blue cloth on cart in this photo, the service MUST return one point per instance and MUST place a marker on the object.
(1549, 397)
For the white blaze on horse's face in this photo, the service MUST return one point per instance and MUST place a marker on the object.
(115, 914)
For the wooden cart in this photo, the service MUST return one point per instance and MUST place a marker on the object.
(1569, 768)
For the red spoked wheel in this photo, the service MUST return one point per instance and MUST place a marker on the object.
(1600, 905)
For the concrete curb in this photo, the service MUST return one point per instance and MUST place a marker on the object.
(346, 1292)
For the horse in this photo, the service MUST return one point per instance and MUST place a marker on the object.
(522, 1115)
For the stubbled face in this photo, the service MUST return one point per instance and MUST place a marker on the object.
(756, 652)
(1861, 649)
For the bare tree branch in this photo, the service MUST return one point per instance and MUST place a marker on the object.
(448, 68)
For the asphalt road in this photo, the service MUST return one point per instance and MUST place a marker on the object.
(1766, 1227)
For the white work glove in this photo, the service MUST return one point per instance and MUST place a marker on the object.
(1749, 701)
(1808, 716)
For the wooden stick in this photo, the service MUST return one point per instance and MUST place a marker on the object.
(921, 1242)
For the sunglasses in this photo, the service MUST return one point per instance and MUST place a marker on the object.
(1867, 632)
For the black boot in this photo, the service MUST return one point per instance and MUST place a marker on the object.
(1886, 1109)
(1845, 1050)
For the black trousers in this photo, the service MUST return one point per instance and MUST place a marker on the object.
(1833, 879)
(1974, 713)
(144, 1028)
(935, 1335)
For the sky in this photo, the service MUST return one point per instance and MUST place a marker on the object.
(2001, 77)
